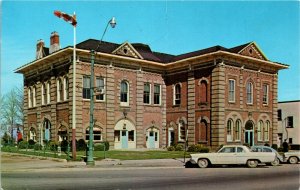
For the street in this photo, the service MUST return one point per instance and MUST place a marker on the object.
(57, 175)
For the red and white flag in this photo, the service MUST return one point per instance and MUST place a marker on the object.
(68, 18)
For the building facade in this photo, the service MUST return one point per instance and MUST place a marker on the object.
(147, 99)
(288, 123)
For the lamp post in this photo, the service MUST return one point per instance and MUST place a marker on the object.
(90, 158)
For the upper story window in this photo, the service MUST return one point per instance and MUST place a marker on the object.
(86, 90)
(100, 88)
(32, 97)
(290, 122)
(203, 91)
(231, 90)
(147, 93)
(29, 97)
(265, 94)
(66, 88)
(59, 90)
(279, 115)
(44, 94)
(157, 94)
(124, 96)
(177, 94)
(249, 93)
(229, 130)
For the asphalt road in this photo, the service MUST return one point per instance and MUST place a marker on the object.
(42, 177)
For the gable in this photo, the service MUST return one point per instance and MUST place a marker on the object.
(126, 49)
(252, 50)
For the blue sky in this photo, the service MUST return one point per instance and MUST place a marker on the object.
(167, 26)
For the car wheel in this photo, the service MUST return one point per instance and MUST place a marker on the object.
(275, 162)
(293, 160)
(203, 163)
(252, 163)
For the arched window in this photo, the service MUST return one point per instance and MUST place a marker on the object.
(97, 133)
(266, 131)
(203, 91)
(249, 93)
(59, 90)
(47, 130)
(229, 130)
(259, 130)
(181, 131)
(238, 125)
(177, 94)
(66, 88)
(124, 96)
(44, 94)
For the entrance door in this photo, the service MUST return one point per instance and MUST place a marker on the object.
(151, 139)
(249, 137)
(124, 139)
(171, 137)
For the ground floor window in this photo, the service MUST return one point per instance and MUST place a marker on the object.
(32, 134)
(97, 132)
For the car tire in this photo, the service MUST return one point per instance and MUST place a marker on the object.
(252, 163)
(276, 162)
(203, 163)
(293, 160)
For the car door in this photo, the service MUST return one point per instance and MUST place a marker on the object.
(241, 156)
(227, 155)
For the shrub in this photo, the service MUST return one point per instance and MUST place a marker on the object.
(23, 145)
(31, 144)
(53, 146)
(81, 145)
(171, 148)
(106, 145)
(20, 140)
(100, 146)
(192, 148)
(37, 147)
(64, 145)
(274, 146)
(204, 150)
(179, 147)
(198, 148)
(6, 138)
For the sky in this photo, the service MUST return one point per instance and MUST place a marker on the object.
(173, 27)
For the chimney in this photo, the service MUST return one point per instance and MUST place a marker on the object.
(54, 42)
(39, 49)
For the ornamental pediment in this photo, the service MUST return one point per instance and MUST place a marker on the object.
(126, 49)
(252, 50)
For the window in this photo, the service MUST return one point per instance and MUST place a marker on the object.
(238, 130)
(240, 149)
(146, 93)
(181, 131)
(157, 94)
(130, 135)
(203, 91)
(266, 131)
(100, 88)
(59, 90)
(231, 89)
(267, 150)
(228, 150)
(32, 134)
(47, 130)
(290, 122)
(177, 94)
(290, 140)
(86, 90)
(117, 136)
(33, 97)
(259, 130)
(265, 94)
(229, 130)
(249, 93)
(279, 115)
(124, 94)
(44, 94)
(29, 98)
(97, 133)
(66, 88)
(48, 93)
(156, 136)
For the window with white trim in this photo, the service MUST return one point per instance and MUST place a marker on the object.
(259, 130)
(48, 93)
(231, 90)
(86, 90)
(29, 98)
(34, 96)
(265, 94)
(266, 131)
(177, 94)
(97, 133)
(124, 95)
(238, 125)
(59, 90)
(32, 134)
(44, 94)
(66, 88)
(157, 93)
(181, 131)
(100, 88)
(249, 93)
(229, 130)
(147, 92)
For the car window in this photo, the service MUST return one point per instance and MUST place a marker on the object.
(228, 150)
(267, 150)
(240, 149)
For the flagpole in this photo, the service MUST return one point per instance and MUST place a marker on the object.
(74, 97)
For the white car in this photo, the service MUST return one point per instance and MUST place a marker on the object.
(233, 154)
(292, 157)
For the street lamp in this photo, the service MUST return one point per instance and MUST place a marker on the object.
(90, 158)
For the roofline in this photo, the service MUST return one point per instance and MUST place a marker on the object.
(289, 101)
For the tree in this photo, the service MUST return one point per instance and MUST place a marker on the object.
(12, 108)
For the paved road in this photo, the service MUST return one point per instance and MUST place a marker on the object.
(49, 176)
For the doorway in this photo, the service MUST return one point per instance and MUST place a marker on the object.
(171, 137)
(249, 135)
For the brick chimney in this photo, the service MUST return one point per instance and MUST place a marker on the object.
(39, 49)
(54, 42)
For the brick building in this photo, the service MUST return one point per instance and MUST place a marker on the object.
(148, 99)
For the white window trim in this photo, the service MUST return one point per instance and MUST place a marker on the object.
(159, 94)
(43, 98)
(48, 93)
(179, 132)
(128, 90)
(231, 101)
(29, 98)
(240, 128)
(104, 94)
(249, 103)
(57, 91)
(149, 93)
(174, 94)
(34, 97)
(267, 127)
(260, 131)
(267, 95)
(229, 137)
(82, 82)
(65, 91)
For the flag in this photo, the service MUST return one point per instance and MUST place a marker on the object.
(68, 18)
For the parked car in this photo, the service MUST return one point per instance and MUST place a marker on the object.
(292, 157)
(233, 154)
(277, 161)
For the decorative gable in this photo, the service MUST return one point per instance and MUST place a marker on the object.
(252, 50)
(126, 49)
